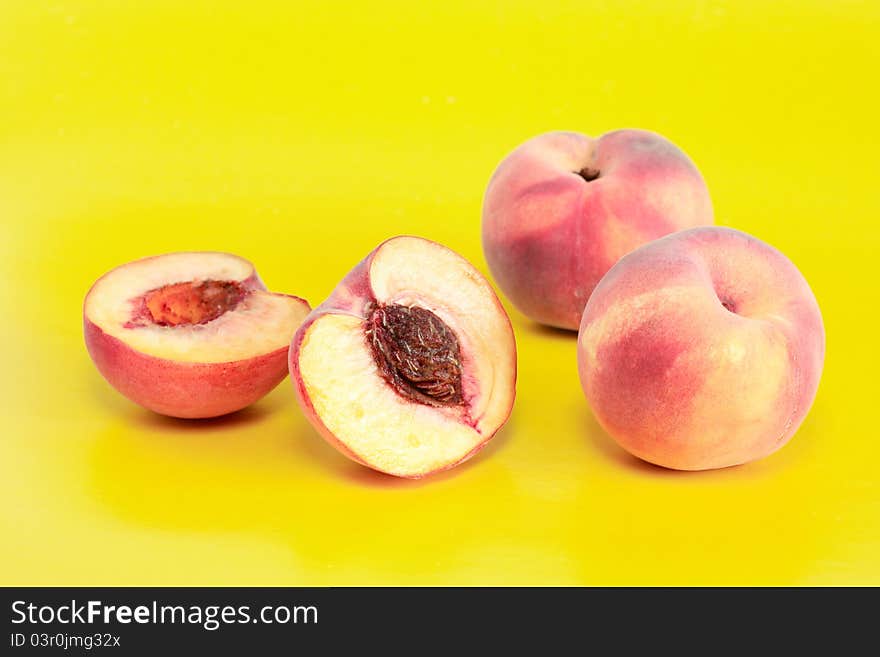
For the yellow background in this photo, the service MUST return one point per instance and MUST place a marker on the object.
(300, 135)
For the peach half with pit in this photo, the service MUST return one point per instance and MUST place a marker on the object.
(563, 207)
(191, 334)
(409, 367)
(702, 350)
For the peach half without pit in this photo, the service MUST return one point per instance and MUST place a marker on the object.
(702, 350)
(410, 366)
(190, 335)
(563, 207)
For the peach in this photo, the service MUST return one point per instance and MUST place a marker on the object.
(190, 335)
(410, 366)
(701, 350)
(562, 208)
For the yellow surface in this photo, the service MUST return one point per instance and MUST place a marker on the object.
(301, 134)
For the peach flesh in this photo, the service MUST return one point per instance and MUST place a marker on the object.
(701, 350)
(562, 208)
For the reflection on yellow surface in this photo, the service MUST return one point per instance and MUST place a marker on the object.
(300, 135)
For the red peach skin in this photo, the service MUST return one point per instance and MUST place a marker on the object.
(184, 390)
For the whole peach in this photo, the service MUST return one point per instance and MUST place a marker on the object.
(562, 208)
(701, 350)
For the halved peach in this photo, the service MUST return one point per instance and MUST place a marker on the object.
(410, 366)
(190, 335)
